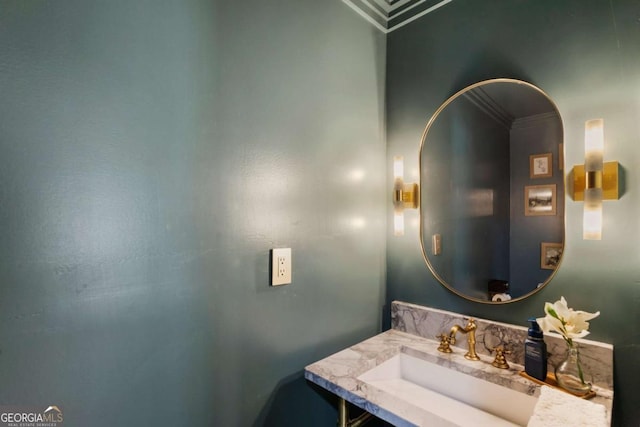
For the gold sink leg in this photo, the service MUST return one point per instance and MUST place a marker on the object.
(342, 413)
(343, 416)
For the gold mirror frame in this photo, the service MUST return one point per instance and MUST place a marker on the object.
(424, 200)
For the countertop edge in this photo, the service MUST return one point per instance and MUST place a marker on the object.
(339, 372)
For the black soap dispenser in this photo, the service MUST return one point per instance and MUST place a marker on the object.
(535, 352)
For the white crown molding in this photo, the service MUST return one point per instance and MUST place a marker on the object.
(489, 106)
(535, 120)
(485, 103)
(389, 15)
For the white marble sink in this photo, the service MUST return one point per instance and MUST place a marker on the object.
(400, 377)
(454, 398)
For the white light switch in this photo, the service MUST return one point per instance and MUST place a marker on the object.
(280, 266)
(436, 244)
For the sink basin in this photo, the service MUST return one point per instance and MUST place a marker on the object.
(452, 397)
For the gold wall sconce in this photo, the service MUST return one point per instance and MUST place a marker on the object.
(405, 196)
(594, 181)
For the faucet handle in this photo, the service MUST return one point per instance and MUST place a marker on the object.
(500, 361)
(470, 321)
(445, 343)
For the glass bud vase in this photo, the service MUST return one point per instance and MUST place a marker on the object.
(570, 374)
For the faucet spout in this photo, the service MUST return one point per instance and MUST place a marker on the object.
(470, 331)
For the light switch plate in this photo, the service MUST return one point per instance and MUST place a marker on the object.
(280, 266)
(436, 244)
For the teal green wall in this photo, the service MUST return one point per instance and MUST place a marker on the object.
(586, 55)
(528, 232)
(475, 248)
(152, 152)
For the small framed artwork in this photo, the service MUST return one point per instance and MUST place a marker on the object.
(550, 254)
(540, 200)
(540, 166)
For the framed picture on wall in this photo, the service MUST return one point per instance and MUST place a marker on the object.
(540, 166)
(550, 254)
(540, 200)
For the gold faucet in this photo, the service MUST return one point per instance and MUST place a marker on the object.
(470, 330)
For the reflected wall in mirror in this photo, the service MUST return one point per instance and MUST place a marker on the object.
(482, 152)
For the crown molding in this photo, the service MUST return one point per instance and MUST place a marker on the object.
(389, 15)
(535, 120)
(484, 102)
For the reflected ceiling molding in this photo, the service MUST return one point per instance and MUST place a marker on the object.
(488, 105)
(389, 15)
(532, 121)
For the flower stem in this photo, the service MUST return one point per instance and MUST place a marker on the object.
(578, 363)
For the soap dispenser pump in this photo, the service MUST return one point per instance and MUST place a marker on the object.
(535, 352)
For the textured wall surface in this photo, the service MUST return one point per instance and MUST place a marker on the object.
(152, 152)
(585, 55)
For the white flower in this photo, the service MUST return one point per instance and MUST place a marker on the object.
(565, 321)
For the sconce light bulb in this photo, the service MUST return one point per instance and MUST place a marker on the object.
(593, 165)
(398, 168)
(593, 145)
(398, 223)
(592, 220)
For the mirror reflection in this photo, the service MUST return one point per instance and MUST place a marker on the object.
(492, 191)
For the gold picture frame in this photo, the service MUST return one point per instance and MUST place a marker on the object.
(550, 255)
(540, 165)
(540, 200)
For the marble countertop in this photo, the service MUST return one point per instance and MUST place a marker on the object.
(339, 374)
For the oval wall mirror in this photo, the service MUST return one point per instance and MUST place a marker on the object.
(492, 191)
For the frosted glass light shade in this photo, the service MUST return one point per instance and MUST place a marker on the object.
(398, 168)
(398, 214)
(593, 145)
(593, 165)
(592, 220)
(398, 223)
